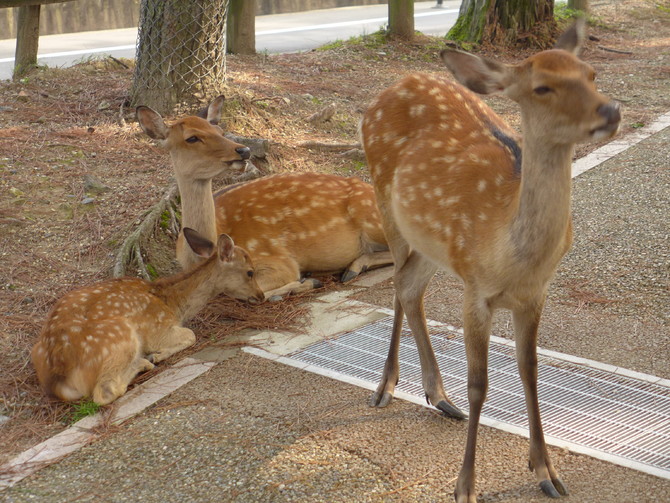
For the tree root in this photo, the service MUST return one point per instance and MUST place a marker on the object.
(130, 253)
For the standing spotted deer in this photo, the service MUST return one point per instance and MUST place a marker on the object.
(290, 223)
(98, 338)
(457, 192)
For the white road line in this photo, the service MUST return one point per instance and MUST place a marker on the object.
(349, 23)
(77, 52)
(258, 33)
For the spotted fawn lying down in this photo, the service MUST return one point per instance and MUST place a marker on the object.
(98, 338)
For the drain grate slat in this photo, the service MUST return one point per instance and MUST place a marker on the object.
(608, 415)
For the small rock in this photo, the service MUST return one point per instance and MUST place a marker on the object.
(92, 185)
(16, 192)
(22, 96)
(88, 200)
(6, 109)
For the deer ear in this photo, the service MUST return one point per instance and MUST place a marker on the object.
(151, 123)
(214, 110)
(200, 245)
(226, 248)
(572, 39)
(481, 75)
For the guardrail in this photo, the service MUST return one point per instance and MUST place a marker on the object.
(28, 32)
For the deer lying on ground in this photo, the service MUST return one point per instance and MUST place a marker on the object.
(290, 223)
(457, 192)
(98, 338)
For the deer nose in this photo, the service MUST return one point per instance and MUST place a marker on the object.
(611, 112)
(244, 152)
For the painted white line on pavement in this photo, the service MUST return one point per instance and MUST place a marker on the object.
(618, 146)
(86, 430)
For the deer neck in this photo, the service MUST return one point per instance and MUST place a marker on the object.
(188, 292)
(197, 206)
(543, 216)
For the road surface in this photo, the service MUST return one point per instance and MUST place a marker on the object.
(275, 33)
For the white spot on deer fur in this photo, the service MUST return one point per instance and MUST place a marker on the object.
(481, 186)
(105, 352)
(378, 114)
(499, 180)
(437, 191)
(460, 242)
(449, 201)
(252, 244)
(400, 141)
(416, 111)
(404, 93)
(483, 217)
(389, 136)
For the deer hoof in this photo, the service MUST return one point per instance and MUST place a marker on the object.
(377, 400)
(449, 409)
(315, 283)
(548, 488)
(348, 275)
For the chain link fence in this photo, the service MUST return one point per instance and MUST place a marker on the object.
(181, 52)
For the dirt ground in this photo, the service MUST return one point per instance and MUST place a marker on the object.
(60, 127)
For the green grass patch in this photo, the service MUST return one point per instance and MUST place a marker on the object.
(82, 409)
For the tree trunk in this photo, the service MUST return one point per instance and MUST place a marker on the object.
(241, 29)
(505, 22)
(27, 40)
(582, 5)
(180, 52)
(401, 19)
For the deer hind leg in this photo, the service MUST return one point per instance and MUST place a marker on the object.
(411, 280)
(174, 340)
(109, 389)
(365, 262)
(526, 323)
(477, 324)
(120, 361)
(280, 276)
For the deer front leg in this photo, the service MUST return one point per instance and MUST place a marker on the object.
(411, 281)
(365, 262)
(384, 393)
(526, 322)
(280, 276)
(174, 340)
(477, 325)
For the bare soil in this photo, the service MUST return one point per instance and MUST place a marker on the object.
(60, 126)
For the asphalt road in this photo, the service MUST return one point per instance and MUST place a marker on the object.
(277, 33)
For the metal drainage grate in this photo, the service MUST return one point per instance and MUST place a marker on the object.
(615, 417)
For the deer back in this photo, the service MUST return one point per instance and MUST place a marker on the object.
(323, 222)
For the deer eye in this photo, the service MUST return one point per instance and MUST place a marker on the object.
(250, 274)
(192, 139)
(542, 90)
